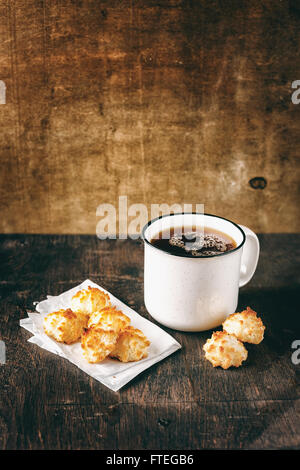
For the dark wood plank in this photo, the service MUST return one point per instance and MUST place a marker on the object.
(222, 425)
(181, 402)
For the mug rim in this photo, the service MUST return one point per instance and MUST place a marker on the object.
(150, 222)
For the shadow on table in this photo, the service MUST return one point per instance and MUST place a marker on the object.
(280, 313)
(279, 310)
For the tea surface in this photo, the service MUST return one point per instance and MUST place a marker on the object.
(192, 241)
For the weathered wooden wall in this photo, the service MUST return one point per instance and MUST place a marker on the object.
(162, 101)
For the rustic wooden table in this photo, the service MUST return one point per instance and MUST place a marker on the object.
(180, 403)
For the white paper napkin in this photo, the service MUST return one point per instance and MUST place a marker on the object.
(110, 372)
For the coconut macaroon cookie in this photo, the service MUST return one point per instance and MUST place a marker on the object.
(246, 326)
(225, 350)
(89, 300)
(132, 345)
(65, 326)
(109, 318)
(98, 343)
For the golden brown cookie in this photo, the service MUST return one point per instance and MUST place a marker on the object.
(224, 350)
(98, 343)
(246, 326)
(65, 326)
(89, 300)
(132, 345)
(109, 318)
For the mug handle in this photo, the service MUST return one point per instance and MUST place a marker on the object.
(249, 257)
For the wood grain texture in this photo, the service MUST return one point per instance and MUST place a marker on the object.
(162, 101)
(180, 403)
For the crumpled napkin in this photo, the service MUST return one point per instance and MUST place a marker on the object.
(110, 372)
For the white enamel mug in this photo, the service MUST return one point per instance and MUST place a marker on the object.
(196, 294)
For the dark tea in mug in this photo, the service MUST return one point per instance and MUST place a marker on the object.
(193, 241)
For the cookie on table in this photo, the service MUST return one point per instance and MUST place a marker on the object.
(225, 350)
(246, 326)
(89, 300)
(65, 326)
(109, 318)
(98, 343)
(132, 345)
